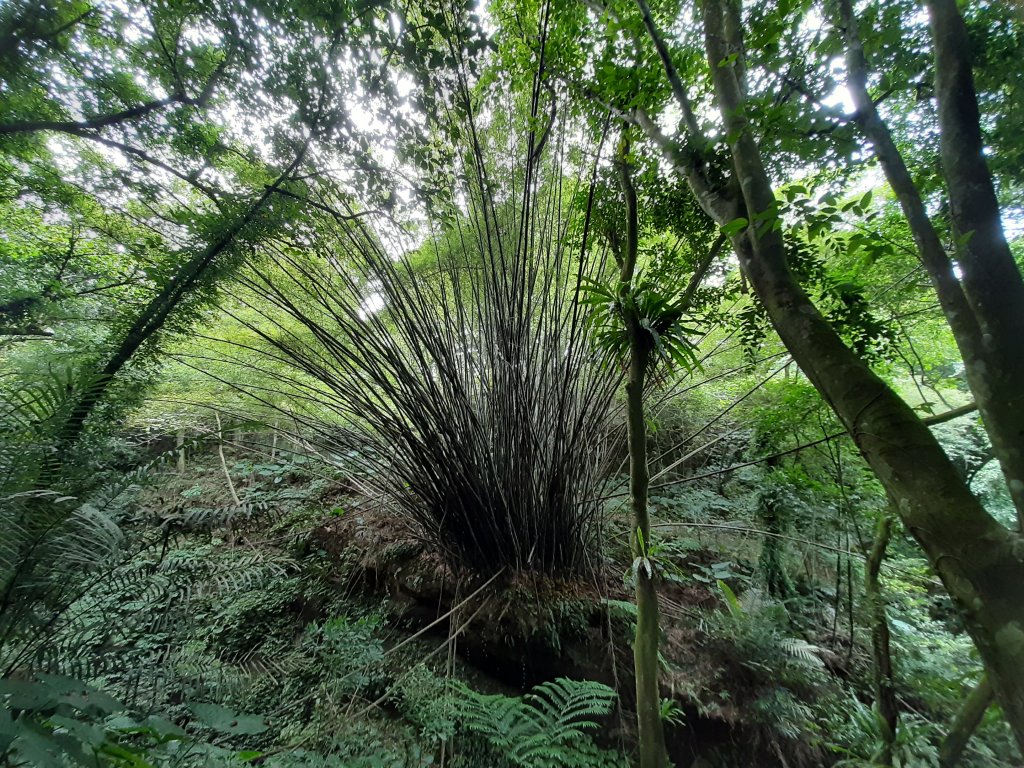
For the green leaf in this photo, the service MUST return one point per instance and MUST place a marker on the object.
(735, 226)
(228, 721)
(964, 239)
(85, 733)
(730, 599)
(40, 750)
(50, 690)
(26, 695)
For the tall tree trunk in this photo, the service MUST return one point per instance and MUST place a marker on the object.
(982, 308)
(992, 282)
(885, 689)
(651, 735)
(980, 562)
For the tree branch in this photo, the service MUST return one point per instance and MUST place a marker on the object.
(719, 206)
(72, 126)
(697, 138)
(126, 115)
(701, 270)
(145, 157)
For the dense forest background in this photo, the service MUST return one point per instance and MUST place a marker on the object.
(542, 383)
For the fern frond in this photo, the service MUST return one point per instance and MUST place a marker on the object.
(571, 703)
(802, 651)
(86, 540)
(752, 600)
(239, 575)
(212, 518)
(538, 729)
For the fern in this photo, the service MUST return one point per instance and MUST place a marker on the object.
(87, 539)
(802, 651)
(542, 728)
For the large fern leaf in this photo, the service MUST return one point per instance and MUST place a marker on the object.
(540, 729)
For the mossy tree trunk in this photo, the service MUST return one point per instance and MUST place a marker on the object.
(966, 722)
(651, 735)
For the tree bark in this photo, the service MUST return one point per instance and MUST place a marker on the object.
(885, 689)
(980, 562)
(653, 753)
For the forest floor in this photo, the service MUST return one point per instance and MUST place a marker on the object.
(349, 572)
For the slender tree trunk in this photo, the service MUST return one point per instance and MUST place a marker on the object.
(224, 463)
(965, 724)
(991, 279)
(651, 735)
(653, 753)
(180, 445)
(885, 689)
(981, 308)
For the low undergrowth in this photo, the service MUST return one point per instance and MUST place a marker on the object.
(300, 630)
(231, 639)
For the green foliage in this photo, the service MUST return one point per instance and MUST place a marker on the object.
(833, 263)
(858, 738)
(543, 729)
(52, 721)
(136, 137)
(661, 314)
(781, 671)
(427, 700)
(349, 650)
(546, 728)
(735, 609)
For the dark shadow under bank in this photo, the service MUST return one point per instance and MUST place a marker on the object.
(526, 629)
